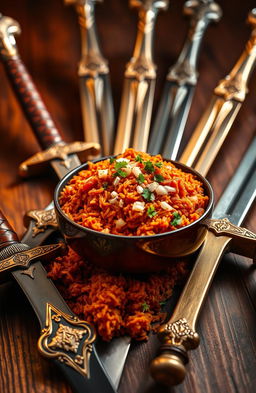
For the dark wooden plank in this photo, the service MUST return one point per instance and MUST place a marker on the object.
(49, 45)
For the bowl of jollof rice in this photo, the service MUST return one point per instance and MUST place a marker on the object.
(133, 212)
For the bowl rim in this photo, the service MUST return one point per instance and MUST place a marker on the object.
(81, 167)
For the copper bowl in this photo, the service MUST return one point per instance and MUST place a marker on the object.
(135, 254)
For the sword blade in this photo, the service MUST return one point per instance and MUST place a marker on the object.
(240, 192)
(97, 111)
(170, 121)
(210, 134)
(135, 114)
(61, 169)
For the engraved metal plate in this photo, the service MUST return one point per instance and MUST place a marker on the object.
(68, 339)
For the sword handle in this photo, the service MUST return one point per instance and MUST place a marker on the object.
(7, 234)
(24, 88)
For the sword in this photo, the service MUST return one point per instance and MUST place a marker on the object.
(181, 81)
(139, 85)
(42, 223)
(94, 81)
(178, 335)
(225, 104)
(67, 340)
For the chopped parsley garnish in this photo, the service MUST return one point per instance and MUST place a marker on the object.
(120, 164)
(158, 178)
(111, 160)
(162, 303)
(121, 173)
(176, 219)
(105, 186)
(148, 195)
(144, 307)
(118, 167)
(140, 178)
(149, 167)
(151, 211)
(138, 158)
(159, 164)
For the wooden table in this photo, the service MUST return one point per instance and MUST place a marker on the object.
(49, 45)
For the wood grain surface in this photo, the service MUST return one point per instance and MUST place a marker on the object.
(49, 46)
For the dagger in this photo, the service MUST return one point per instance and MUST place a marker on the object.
(178, 335)
(139, 85)
(67, 340)
(181, 81)
(94, 81)
(225, 104)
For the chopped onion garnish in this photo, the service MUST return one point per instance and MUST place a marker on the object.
(122, 159)
(166, 206)
(121, 203)
(102, 173)
(136, 171)
(170, 189)
(114, 194)
(116, 181)
(138, 206)
(127, 170)
(153, 186)
(120, 223)
(113, 200)
(139, 189)
(161, 190)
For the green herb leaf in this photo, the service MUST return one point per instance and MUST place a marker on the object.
(138, 158)
(121, 173)
(105, 186)
(111, 160)
(158, 178)
(159, 164)
(151, 211)
(149, 167)
(144, 307)
(176, 219)
(148, 195)
(120, 164)
(162, 303)
(140, 178)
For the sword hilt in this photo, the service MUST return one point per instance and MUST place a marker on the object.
(8, 236)
(32, 104)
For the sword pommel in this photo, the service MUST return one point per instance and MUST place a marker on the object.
(203, 9)
(8, 28)
(252, 17)
(7, 234)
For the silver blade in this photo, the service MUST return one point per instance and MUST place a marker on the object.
(170, 121)
(210, 134)
(240, 193)
(135, 114)
(97, 110)
(61, 167)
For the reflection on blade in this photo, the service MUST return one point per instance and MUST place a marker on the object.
(135, 115)
(210, 134)
(98, 117)
(241, 190)
(171, 119)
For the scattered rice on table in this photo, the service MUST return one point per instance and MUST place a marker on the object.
(133, 194)
(115, 304)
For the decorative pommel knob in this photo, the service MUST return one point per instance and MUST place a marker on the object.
(8, 28)
(203, 9)
(168, 368)
(252, 17)
(150, 4)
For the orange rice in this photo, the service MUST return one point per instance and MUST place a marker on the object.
(133, 194)
(115, 304)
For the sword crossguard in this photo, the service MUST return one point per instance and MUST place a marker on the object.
(24, 258)
(61, 151)
(8, 28)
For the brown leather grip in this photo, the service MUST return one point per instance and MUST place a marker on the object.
(7, 235)
(31, 102)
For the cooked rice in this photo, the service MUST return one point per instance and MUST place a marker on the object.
(115, 304)
(134, 194)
